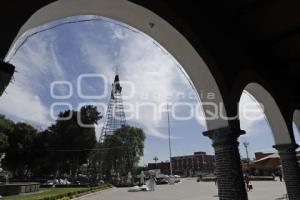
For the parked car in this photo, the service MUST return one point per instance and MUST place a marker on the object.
(162, 179)
(49, 182)
(177, 178)
(57, 182)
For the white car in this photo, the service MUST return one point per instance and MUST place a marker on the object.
(176, 178)
(138, 189)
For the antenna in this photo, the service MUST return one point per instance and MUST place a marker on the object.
(115, 115)
(116, 69)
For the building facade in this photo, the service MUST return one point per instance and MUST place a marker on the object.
(163, 167)
(193, 165)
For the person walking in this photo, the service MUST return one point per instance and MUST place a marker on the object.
(280, 176)
(152, 182)
(142, 178)
(247, 182)
(216, 180)
(274, 177)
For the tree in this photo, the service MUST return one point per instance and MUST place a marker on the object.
(3, 143)
(16, 141)
(44, 160)
(62, 148)
(72, 139)
(123, 150)
(96, 160)
(6, 127)
(19, 156)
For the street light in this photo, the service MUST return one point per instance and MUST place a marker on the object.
(170, 149)
(246, 145)
(155, 159)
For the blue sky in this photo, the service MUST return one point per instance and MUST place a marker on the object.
(96, 47)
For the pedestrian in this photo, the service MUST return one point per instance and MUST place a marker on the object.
(118, 179)
(247, 182)
(129, 178)
(152, 181)
(216, 180)
(274, 177)
(280, 176)
(142, 178)
(199, 178)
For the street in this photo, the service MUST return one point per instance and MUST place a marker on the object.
(189, 189)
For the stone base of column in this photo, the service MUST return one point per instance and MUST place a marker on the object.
(228, 163)
(290, 168)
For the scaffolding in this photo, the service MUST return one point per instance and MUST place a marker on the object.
(115, 115)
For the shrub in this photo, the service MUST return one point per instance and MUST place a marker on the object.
(71, 195)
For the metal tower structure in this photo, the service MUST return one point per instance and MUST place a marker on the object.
(115, 115)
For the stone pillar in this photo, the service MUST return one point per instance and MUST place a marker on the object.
(228, 163)
(290, 169)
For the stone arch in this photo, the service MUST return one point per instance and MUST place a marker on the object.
(139, 18)
(272, 112)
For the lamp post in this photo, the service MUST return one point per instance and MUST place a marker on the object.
(169, 133)
(246, 145)
(155, 160)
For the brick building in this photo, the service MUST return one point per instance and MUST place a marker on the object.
(164, 167)
(193, 165)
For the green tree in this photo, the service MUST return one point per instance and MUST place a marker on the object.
(123, 150)
(3, 143)
(62, 148)
(19, 156)
(74, 139)
(96, 159)
(6, 127)
(44, 160)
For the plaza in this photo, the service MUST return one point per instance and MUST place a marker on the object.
(224, 48)
(189, 189)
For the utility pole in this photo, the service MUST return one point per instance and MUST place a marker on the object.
(246, 145)
(170, 149)
(155, 160)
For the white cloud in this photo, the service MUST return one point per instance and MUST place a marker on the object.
(24, 106)
(250, 125)
(37, 66)
(153, 73)
(97, 57)
(37, 59)
(120, 34)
